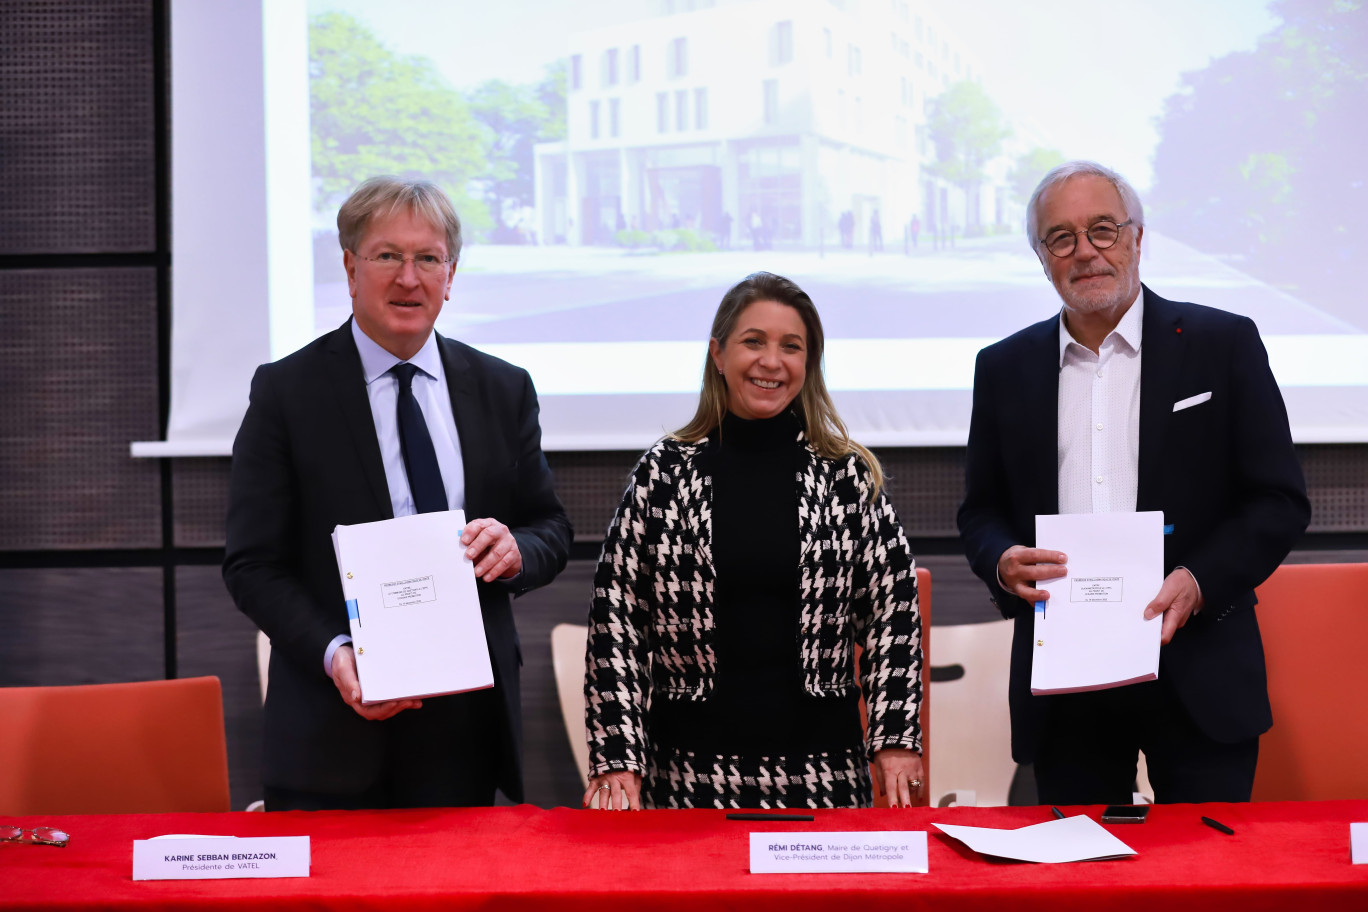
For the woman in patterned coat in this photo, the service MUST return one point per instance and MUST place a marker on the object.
(753, 549)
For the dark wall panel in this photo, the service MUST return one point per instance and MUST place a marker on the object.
(78, 371)
(1337, 483)
(76, 127)
(200, 501)
(214, 638)
(80, 626)
(925, 485)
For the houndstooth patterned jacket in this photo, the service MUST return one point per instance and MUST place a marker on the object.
(652, 626)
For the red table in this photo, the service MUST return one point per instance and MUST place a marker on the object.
(1284, 855)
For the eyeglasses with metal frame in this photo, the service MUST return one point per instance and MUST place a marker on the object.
(50, 836)
(427, 263)
(1101, 234)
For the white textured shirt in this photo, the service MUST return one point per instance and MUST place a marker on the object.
(1099, 418)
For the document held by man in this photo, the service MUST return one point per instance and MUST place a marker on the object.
(1092, 633)
(414, 610)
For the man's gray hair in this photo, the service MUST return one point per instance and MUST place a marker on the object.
(1129, 198)
(383, 196)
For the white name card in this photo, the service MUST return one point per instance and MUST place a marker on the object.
(895, 852)
(220, 857)
(1358, 842)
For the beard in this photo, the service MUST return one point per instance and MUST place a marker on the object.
(1101, 297)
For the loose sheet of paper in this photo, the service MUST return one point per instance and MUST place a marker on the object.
(1071, 839)
(1092, 632)
(889, 852)
(1358, 842)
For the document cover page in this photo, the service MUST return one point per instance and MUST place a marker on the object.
(1092, 633)
(414, 611)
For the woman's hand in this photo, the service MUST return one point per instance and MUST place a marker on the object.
(899, 775)
(619, 790)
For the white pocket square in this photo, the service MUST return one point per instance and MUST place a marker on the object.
(1190, 401)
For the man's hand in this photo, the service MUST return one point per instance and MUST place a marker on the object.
(1021, 566)
(493, 549)
(1178, 599)
(344, 676)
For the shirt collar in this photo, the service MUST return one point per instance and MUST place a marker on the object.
(375, 361)
(1128, 330)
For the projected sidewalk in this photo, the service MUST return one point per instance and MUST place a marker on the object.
(982, 288)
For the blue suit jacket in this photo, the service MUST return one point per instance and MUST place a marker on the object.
(1223, 472)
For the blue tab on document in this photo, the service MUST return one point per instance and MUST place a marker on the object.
(1168, 530)
(352, 613)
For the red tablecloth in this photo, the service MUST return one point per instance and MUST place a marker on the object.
(1284, 855)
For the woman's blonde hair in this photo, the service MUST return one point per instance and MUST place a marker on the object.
(826, 432)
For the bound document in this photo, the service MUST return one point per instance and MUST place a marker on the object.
(415, 615)
(1092, 633)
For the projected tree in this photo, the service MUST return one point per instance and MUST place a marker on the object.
(967, 130)
(373, 111)
(1029, 168)
(517, 117)
(1282, 185)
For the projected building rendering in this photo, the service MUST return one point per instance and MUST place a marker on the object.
(774, 123)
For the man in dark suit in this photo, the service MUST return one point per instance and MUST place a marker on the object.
(381, 418)
(1065, 421)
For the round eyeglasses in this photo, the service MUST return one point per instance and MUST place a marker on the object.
(1101, 235)
(426, 263)
(50, 836)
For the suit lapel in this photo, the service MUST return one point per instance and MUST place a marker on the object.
(349, 384)
(1040, 387)
(1161, 366)
(471, 424)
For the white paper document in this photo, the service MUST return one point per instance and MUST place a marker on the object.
(1358, 842)
(1092, 633)
(886, 852)
(414, 610)
(1071, 839)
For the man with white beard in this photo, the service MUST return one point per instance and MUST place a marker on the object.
(1066, 421)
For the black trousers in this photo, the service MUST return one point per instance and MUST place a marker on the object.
(454, 764)
(1089, 750)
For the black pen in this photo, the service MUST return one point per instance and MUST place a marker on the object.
(1057, 812)
(1217, 825)
(765, 818)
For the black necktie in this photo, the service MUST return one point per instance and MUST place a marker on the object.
(420, 459)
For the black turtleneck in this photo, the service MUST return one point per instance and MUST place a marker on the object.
(759, 705)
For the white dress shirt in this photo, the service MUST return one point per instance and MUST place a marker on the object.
(1099, 418)
(430, 389)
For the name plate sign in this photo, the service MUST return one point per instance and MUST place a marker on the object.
(220, 857)
(892, 852)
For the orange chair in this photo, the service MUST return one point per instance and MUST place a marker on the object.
(144, 747)
(1314, 621)
(924, 608)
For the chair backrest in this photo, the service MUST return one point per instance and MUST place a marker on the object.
(568, 643)
(969, 672)
(1314, 621)
(144, 747)
(263, 658)
(924, 609)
